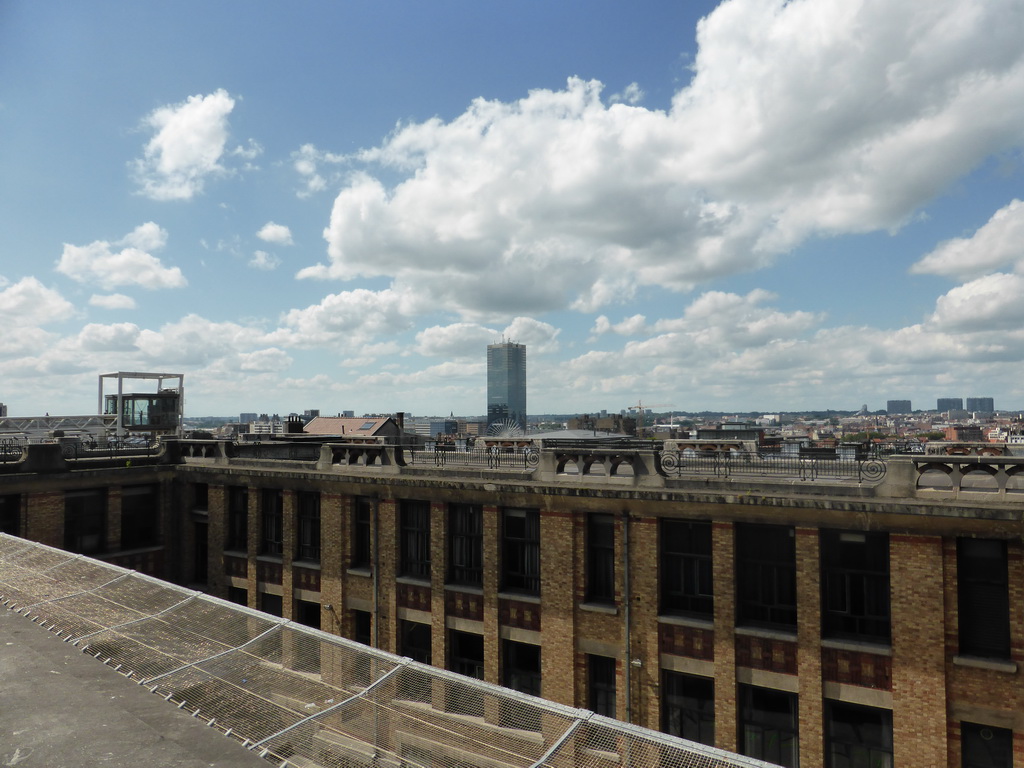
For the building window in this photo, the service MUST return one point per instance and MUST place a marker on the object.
(10, 514)
(601, 684)
(521, 672)
(272, 518)
(600, 562)
(200, 552)
(465, 544)
(140, 517)
(200, 497)
(858, 737)
(362, 622)
(308, 534)
(766, 576)
(85, 521)
(983, 598)
(688, 707)
(361, 532)
(686, 583)
(768, 725)
(308, 613)
(237, 539)
(520, 550)
(272, 604)
(984, 746)
(238, 595)
(414, 524)
(466, 657)
(414, 640)
(855, 585)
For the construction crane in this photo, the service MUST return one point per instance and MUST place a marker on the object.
(640, 408)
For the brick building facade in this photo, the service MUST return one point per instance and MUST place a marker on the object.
(792, 618)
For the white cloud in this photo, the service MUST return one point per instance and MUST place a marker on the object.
(119, 337)
(188, 147)
(631, 326)
(99, 263)
(991, 303)
(631, 94)
(28, 303)
(112, 301)
(348, 319)
(196, 341)
(455, 341)
(559, 200)
(307, 161)
(272, 360)
(278, 234)
(1000, 242)
(264, 261)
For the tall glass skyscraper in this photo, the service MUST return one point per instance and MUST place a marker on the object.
(506, 383)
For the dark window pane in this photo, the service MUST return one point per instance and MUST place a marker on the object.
(984, 746)
(688, 707)
(600, 564)
(10, 514)
(765, 576)
(465, 544)
(466, 657)
(237, 539)
(140, 517)
(308, 533)
(520, 553)
(855, 585)
(361, 530)
(685, 564)
(984, 599)
(272, 518)
(414, 523)
(85, 521)
(858, 737)
(601, 684)
(768, 725)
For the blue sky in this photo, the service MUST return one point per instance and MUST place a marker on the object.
(746, 205)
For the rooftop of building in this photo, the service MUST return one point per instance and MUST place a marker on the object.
(295, 696)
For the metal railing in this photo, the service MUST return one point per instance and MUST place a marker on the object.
(477, 458)
(727, 464)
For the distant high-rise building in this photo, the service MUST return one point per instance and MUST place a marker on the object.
(981, 404)
(898, 406)
(506, 383)
(950, 404)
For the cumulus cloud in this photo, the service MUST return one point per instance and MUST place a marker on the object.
(112, 301)
(264, 261)
(100, 262)
(349, 319)
(278, 234)
(28, 302)
(999, 243)
(563, 200)
(188, 147)
(119, 337)
(308, 162)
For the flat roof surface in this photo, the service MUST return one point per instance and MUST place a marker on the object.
(61, 708)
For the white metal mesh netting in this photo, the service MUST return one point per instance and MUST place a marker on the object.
(300, 697)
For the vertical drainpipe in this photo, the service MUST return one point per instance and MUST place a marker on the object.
(627, 618)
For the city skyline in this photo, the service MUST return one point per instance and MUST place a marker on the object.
(731, 206)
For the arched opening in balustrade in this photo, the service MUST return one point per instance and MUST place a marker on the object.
(1015, 480)
(594, 466)
(567, 465)
(935, 477)
(621, 466)
(979, 479)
